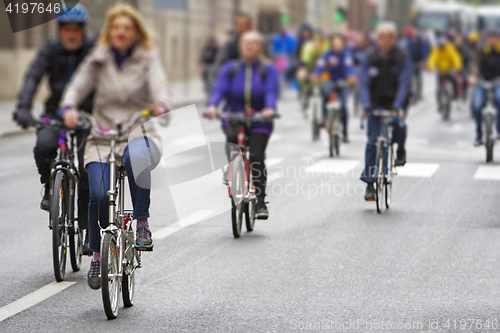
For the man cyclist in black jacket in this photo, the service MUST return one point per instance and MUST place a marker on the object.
(58, 59)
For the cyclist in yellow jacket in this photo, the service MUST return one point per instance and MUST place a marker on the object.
(447, 60)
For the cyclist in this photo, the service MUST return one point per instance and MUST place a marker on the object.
(384, 84)
(359, 52)
(127, 75)
(416, 47)
(459, 44)
(339, 64)
(258, 92)
(58, 58)
(445, 57)
(488, 70)
(311, 52)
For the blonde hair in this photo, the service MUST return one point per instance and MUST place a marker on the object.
(127, 10)
(255, 36)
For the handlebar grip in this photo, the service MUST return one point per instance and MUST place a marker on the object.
(146, 113)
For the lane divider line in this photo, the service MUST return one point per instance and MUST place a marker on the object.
(33, 299)
(196, 217)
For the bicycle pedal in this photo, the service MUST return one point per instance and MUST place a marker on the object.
(142, 247)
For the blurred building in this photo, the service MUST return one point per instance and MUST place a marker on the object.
(362, 14)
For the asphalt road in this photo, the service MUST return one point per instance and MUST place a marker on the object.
(325, 260)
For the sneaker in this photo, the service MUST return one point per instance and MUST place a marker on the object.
(143, 240)
(478, 142)
(45, 204)
(85, 247)
(401, 158)
(370, 193)
(261, 212)
(93, 276)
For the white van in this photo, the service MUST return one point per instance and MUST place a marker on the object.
(488, 17)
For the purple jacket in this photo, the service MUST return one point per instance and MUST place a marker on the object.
(230, 86)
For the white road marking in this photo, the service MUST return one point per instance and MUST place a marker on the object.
(33, 299)
(333, 166)
(270, 162)
(194, 218)
(275, 176)
(487, 172)
(420, 170)
(276, 137)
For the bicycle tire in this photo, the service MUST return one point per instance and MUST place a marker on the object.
(380, 179)
(237, 184)
(59, 217)
(128, 289)
(489, 140)
(76, 246)
(332, 143)
(389, 178)
(250, 215)
(110, 266)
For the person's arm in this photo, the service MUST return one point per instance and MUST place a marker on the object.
(431, 63)
(33, 77)
(320, 65)
(404, 84)
(221, 85)
(158, 83)
(364, 84)
(271, 88)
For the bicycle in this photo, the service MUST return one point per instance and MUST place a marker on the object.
(445, 96)
(489, 114)
(384, 171)
(315, 107)
(334, 124)
(120, 258)
(64, 179)
(241, 187)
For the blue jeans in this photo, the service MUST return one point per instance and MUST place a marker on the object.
(479, 102)
(374, 130)
(344, 97)
(98, 174)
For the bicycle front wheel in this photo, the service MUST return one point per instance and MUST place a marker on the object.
(237, 190)
(389, 178)
(110, 275)
(59, 220)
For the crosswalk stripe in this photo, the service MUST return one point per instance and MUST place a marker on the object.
(487, 172)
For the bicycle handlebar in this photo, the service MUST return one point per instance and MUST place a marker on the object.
(488, 84)
(120, 129)
(242, 117)
(59, 124)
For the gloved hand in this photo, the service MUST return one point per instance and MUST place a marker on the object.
(23, 118)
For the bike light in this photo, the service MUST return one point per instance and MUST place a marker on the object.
(146, 113)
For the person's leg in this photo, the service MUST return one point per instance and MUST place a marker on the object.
(497, 104)
(45, 152)
(399, 134)
(344, 113)
(257, 145)
(141, 156)
(326, 89)
(478, 102)
(371, 149)
(83, 185)
(439, 80)
(98, 174)
(418, 76)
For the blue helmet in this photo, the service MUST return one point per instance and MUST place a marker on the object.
(77, 14)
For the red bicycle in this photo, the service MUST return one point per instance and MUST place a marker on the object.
(239, 175)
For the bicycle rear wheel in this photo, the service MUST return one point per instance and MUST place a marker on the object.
(489, 140)
(110, 275)
(76, 238)
(250, 214)
(380, 178)
(59, 220)
(389, 178)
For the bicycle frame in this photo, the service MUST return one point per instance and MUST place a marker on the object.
(242, 144)
(385, 137)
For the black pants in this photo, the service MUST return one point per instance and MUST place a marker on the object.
(257, 143)
(45, 151)
(454, 84)
(417, 74)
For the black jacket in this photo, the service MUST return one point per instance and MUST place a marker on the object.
(59, 65)
(489, 63)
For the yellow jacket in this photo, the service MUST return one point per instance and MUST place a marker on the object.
(446, 59)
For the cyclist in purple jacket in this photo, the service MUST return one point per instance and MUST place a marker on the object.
(249, 83)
